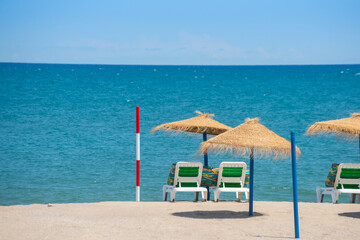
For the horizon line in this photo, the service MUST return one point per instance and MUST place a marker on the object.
(204, 65)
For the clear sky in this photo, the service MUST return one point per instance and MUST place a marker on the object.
(239, 32)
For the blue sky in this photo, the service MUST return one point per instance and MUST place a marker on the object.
(199, 32)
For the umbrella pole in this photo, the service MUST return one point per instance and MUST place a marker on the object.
(251, 182)
(205, 154)
(206, 163)
(293, 158)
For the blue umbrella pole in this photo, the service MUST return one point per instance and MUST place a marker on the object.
(293, 158)
(206, 163)
(205, 155)
(251, 182)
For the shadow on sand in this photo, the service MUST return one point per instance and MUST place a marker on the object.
(224, 215)
(215, 214)
(350, 214)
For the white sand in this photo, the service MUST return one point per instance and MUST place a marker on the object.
(179, 220)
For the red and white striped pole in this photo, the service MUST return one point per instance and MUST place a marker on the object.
(138, 154)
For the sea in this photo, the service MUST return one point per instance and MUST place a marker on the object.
(68, 132)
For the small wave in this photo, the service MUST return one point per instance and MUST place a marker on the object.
(357, 74)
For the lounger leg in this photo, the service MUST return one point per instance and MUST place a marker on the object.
(335, 197)
(204, 195)
(322, 198)
(318, 195)
(196, 194)
(164, 193)
(238, 196)
(215, 195)
(172, 195)
(246, 196)
(353, 196)
(218, 195)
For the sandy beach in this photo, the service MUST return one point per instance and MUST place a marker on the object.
(179, 220)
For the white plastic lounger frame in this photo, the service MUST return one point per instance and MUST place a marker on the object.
(221, 179)
(334, 192)
(179, 180)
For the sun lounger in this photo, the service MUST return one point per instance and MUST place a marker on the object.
(187, 179)
(231, 178)
(347, 181)
(209, 176)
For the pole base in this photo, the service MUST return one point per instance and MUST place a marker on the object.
(138, 193)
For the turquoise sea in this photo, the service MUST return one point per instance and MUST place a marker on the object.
(67, 132)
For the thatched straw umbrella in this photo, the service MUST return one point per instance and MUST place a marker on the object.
(203, 123)
(251, 138)
(349, 128)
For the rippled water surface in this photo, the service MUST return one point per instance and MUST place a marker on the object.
(67, 132)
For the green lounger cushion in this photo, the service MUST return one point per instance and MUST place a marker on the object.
(187, 184)
(188, 171)
(345, 173)
(209, 177)
(230, 185)
(349, 173)
(232, 171)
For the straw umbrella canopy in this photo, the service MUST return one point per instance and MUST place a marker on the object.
(349, 128)
(251, 138)
(199, 124)
(250, 135)
(203, 123)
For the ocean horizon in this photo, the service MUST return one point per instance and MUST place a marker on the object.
(68, 130)
(192, 65)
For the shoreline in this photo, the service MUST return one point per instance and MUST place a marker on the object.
(179, 220)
